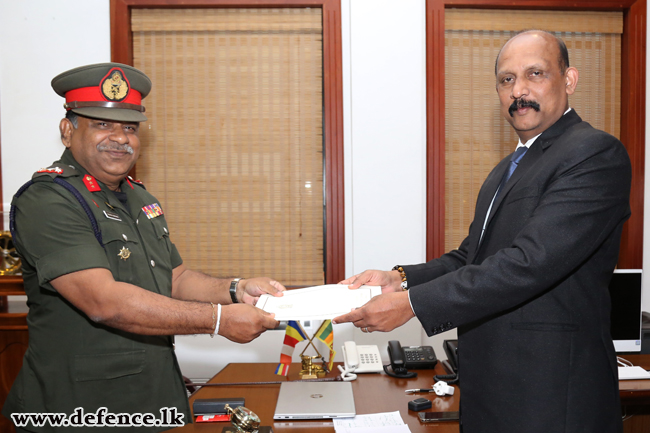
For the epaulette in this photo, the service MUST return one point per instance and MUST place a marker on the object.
(57, 170)
(132, 181)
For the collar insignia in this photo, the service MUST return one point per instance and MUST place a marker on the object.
(91, 183)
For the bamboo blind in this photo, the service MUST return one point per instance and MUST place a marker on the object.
(233, 148)
(477, 137)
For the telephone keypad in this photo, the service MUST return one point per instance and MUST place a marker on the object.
(369, 358)
(419, 357)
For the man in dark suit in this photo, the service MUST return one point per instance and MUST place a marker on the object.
(527, 288)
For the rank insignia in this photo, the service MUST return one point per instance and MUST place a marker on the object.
(124, 253)
(114, 86)
(153, 210)
(91, 183)
(56, 170)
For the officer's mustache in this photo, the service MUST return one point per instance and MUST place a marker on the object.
(522, 103)
(115, 148)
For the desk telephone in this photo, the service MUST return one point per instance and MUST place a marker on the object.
(366, 359)
(451, 364)
(361, 359)
(413, 357)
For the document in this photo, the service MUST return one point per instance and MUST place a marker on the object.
(386, 422)
(317, 302)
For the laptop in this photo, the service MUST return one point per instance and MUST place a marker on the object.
(315, 400)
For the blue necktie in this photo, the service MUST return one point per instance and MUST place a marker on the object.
(514, 162)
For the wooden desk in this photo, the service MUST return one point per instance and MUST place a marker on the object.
(373, 393)
(13, 338)
(635, 398)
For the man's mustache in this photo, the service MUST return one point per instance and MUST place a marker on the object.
(522, 103)
(115, 148)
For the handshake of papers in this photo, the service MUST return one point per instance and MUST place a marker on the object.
(317, 302)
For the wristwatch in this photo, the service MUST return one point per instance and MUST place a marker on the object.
(233, 290)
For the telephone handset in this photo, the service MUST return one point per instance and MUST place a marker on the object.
(403, 358)
(361, 359)
(451, 349)
(451, 364)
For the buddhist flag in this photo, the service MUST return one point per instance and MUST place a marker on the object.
(326, 335)
(293, 335)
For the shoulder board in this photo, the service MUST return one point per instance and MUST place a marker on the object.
(57, 170)
(132, 182)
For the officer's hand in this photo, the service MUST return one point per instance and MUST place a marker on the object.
(242, 323)
(250, 289)
(388, 280)
(382, 313)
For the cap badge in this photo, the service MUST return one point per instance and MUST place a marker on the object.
(114, 86)
(124, 253)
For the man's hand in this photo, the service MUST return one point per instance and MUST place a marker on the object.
(250, 289)
(382, 313)
(242, 323)
(388, 280)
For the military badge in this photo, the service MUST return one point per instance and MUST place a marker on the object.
(114, 86)
(153, 210)
(91, 183)
(124, 253)
(56, 170)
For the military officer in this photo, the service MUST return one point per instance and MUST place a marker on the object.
(106, 287)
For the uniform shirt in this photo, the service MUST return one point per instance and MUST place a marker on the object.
(72, 361)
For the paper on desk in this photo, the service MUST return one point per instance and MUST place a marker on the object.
(317, 302)
(387, 429)
(385, 422)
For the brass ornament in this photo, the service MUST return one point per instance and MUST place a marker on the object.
(309, 369)
(124, 253)
(243, 419)
(115, 87)
(10, 261)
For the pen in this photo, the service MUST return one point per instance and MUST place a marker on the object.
(410, 391)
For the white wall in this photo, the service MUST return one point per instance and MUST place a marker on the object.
(385, 143)
(38, 40)
(384, 66)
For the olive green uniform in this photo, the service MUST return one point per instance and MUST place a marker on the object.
(72, 361)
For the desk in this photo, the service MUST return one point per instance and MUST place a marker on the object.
(635, 398)
(373, 393)
(13, 338)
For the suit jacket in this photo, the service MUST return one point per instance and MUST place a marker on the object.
(530, 299)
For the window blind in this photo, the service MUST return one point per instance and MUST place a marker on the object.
(477, 137)
(233, 147)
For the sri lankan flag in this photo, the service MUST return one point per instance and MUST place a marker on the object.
(326, 334)
(293, 335)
